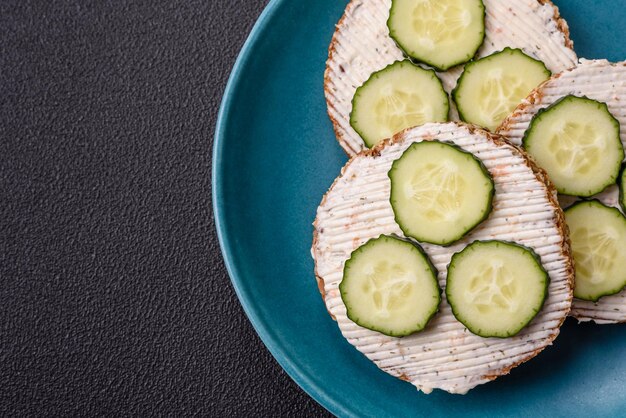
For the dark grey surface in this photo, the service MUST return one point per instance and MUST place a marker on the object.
(113, 296)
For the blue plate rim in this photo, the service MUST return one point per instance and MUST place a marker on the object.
(259, 324)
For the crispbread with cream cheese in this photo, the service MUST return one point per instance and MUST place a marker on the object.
(361, 46)
(598, 80)
(525, 210)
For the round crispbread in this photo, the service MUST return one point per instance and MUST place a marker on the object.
(598, 80)
(361, 46)
(525, 210)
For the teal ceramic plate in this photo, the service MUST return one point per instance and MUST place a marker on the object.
(275, 156)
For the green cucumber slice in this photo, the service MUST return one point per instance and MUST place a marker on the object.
(598, 236)
(622, 186)
(496, 288)
(577, 141)
(439, 192)
(390, 286)
(440, 33)
(399, 96)
(491, 88)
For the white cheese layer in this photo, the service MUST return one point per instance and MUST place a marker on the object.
(361, 45)
(445, 355)
(598, 80)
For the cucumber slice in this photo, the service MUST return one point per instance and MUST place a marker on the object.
(440, 33)
(399, 96)
(490, 88)
(577, 141)
(598, 236)
(390, 286)
(439, 192)
(496, 288)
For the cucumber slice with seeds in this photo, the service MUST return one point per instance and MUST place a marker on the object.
(400, 96)
(490, 88)
(439, 192)
(598, 236)
(577, 141)
(440, 33)
(390, 286)
(496, 288)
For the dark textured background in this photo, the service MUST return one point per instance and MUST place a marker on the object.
(113, 295)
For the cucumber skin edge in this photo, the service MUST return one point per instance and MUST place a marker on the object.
(510, 243)
(488, 208)
(420, 60)
(621, 187)
(434, 274)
